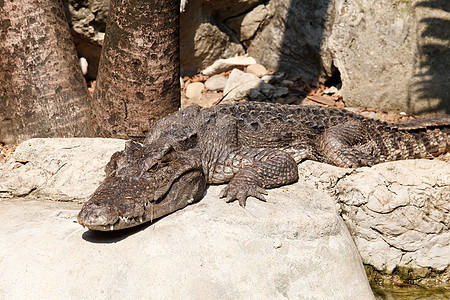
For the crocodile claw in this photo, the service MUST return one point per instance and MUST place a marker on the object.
(235, 192)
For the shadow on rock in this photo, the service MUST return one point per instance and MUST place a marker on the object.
(110, 237)
(433, 83)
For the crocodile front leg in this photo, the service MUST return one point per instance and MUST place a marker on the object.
(254, 170)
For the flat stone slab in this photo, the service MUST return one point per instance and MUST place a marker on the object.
(294, 246)
(57, 169)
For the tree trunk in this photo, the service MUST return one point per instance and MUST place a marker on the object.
(138, 80)
(42, 90)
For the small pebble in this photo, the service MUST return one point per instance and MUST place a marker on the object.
(277, 243)
(83, 65)
(216, 82)
(194, 90)
(223, 65)
(274, 78)
(330, 90)
(286, 82)
(257, 69)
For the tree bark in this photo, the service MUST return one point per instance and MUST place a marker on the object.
(138, 80)
(42, 90)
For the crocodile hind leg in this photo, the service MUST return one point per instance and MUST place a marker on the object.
(348, 145)
(259, 169)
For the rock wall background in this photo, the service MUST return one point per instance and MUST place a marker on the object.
(393, 55)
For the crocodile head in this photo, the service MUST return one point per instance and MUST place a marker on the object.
(144, 182)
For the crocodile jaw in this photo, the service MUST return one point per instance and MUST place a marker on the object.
(104, 214)
(144, 182)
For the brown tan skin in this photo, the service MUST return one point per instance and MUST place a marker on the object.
(143, 183)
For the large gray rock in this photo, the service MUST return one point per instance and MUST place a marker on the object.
(57, 169)
(290, 37)
(393, 55)
(399, 214)
(294, 246)
(245, 26)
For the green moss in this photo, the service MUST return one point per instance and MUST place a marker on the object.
(407, 275)
(409, 283)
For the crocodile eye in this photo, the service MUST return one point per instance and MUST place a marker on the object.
(163, 157)
(170, 156)
(151, 165)
(153, 168)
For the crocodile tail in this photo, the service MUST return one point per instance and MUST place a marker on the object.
(436, 121)
(419, 138)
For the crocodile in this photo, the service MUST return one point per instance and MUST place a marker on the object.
(253, 146)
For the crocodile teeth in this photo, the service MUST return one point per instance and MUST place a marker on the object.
(190, 200)
(112, 227)
(140, 219)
